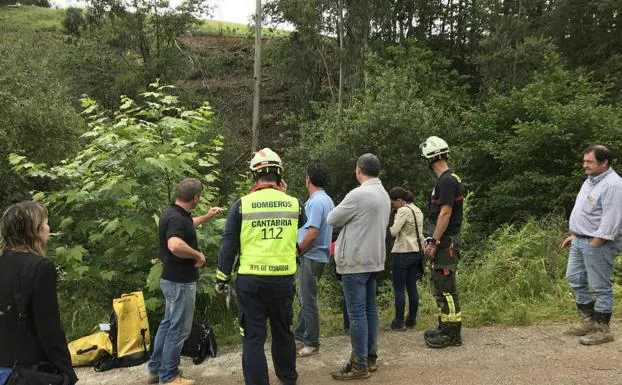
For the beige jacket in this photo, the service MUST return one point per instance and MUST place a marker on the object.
(403, 229)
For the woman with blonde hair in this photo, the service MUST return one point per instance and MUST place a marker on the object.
(29, 283)
(407, 256)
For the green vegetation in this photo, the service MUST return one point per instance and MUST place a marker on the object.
(36, 113)
(114, 189)
(227, 28)
(516, 278)
(518, 89)
(29, 20)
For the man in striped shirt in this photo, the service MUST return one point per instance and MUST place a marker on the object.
(594, 242)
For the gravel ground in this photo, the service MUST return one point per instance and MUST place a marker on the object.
(532, 355)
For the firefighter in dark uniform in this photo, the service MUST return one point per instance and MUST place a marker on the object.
(443, 248)
(262, 228)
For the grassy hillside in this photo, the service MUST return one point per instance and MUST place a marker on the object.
(35, 95)
(30, 19)
(49, 19)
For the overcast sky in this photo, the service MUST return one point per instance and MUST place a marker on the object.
(237, 11)
(233, 10)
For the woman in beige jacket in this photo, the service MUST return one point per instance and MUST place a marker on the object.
(407, 256)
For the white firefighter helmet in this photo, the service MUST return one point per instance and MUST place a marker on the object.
(433, 148)
(266, 159)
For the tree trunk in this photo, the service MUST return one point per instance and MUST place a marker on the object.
(257, 76)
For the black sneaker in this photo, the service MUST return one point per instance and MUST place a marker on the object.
(442, 340)
(410, 323)
(348, 372)
(398, 325)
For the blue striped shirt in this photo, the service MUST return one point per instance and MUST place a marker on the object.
(597, 211)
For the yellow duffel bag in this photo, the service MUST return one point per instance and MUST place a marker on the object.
(88, 350)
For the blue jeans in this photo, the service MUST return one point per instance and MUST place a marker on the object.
(174, 329)
(4, 374)
(359, 291)
(308, 329)
(346, 319)
(406, 270)
(589, 272)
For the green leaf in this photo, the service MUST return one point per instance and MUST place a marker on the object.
(153, 304)
(111, 226)
(67, 221)
(127, 103)
(130, 226)
(76, 253)
(153, 280)
(80, 270)
(39, 197)
(107, 275)
(15, 159)
(168, 99)
(96, 237)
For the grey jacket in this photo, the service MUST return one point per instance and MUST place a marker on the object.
(363, 216)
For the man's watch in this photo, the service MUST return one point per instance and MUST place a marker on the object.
(436, 242)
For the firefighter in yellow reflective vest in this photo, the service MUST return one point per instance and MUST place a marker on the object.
(443, 248)
(262, 227)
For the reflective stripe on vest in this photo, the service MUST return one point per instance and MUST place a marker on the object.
(269, 233)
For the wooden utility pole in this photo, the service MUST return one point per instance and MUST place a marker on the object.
(341, 54)
(257, 75)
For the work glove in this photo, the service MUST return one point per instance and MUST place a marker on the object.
(222, 288)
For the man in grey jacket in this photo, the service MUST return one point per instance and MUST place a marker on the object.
(363, 217)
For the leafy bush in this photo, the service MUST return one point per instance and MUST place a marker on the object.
(521, 153)
(115, 188)
(73, 21)
(412, 95)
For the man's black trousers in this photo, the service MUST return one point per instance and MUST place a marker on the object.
(261, 299)
(447, 300)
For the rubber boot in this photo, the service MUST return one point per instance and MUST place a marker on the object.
(449, 336)
(602, 334)
(586, 322)
(433, 332)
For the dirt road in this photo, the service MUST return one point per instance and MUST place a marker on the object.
(534, 355)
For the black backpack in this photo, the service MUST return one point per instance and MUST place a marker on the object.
(200, 343)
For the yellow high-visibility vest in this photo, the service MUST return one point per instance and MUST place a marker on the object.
(269, 233)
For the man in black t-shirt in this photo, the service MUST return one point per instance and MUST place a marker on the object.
(181, 260)
(443, 248)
